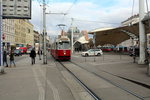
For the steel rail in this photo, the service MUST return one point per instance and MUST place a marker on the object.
(115, 84)
(82, 84)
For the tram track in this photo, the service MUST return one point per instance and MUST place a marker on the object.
(82, 84)
(130, 80)
(109, 81)
(117, 85)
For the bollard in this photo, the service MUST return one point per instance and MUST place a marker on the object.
(148, 70)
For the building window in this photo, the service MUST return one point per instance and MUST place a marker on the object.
(28, 30)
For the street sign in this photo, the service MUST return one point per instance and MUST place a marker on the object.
(16, 9)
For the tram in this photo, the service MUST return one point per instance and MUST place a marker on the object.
(60, 49)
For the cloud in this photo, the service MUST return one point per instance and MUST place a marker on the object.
(87, 15)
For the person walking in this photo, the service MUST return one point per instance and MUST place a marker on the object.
(12, 58)
(5, 58)
(39, 53)
(33, 55)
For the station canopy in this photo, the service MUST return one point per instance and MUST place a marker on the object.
(81, 40)
(117, 35)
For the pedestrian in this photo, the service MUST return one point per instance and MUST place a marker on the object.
(39, 53)
(5, 58)
(33, 55)
(11, 55)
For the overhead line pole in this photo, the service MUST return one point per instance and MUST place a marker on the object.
(142, 35)
(44, 33)
(1, 46)
(72, 36)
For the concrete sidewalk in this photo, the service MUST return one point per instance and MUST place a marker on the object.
(18, 82)
(40, 82)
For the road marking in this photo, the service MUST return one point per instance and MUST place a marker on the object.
(54, 89)
(39, 85)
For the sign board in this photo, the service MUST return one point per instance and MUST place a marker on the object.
(17, 9)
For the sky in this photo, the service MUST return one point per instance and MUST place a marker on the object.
(86, 14)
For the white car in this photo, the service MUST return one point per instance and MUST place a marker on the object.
(92, 52)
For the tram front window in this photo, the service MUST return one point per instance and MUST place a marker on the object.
(64, 45)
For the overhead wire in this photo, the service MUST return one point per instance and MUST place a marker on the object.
(95, 21)
(71, 6)
(69, 9)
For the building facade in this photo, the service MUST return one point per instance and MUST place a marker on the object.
(80, 39)
(17, 32)
(29, 33)
(23, 33)
(8, 33)
(36, 36)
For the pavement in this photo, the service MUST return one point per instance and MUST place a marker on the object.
(39, 82)
(27, 82)
(117, 64)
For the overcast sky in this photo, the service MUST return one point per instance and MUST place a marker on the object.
(87, 14)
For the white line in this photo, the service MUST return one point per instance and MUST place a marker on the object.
(39, 85)
(54, 89)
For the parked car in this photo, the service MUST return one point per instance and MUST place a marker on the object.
(92, 52)
(17, 52)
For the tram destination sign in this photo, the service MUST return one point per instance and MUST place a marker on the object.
(16, 9)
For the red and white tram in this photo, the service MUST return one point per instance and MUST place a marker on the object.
(60, 49)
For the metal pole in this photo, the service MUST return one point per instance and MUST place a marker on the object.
(44, 33)
(72, 37)
(39, 47)
(142, 35)
(1, 51)
(1, 54)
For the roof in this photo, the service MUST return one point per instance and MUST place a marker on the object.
(82, 40)
(117, 35)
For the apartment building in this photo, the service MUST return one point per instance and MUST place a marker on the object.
(23, 33)
(29, 33)
(8, 33)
